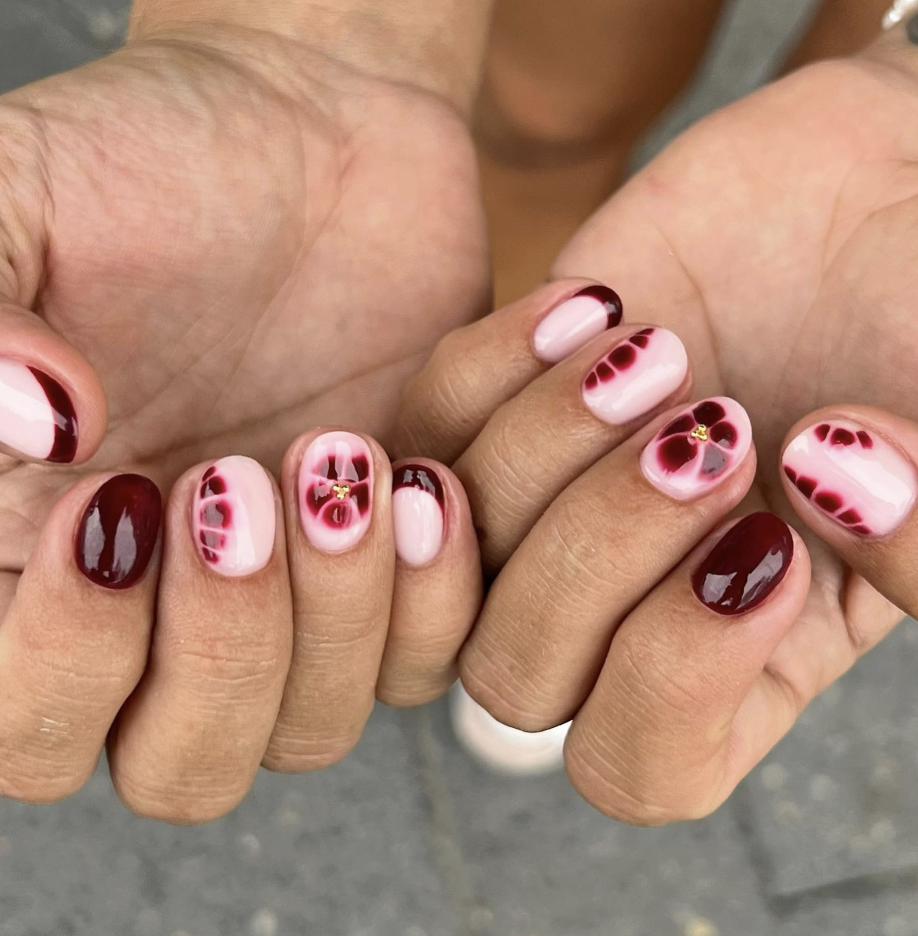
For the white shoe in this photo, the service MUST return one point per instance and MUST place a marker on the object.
(503, 749)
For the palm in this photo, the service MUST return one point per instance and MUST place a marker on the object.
(776, 238)
(243, 244)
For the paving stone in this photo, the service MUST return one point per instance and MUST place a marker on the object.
(835, 801)
(347, 852)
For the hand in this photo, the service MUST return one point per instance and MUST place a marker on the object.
(763, 238)
(223, 233)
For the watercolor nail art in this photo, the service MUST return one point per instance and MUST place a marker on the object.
(418, 509)
(698, 449)
(37, 417)
(336, 491)
(576, 322)
(118, 531)
(635, 376)
(746, 566)
(234, 517)
(853, 475)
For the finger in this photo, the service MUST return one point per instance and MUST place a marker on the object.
(656, 740)
(74, 641)
(850, 474)
(599, 548)
(52, 405)
(553, 430)
(337, 494)
(438, 584)
(188, 743)
(477, 368)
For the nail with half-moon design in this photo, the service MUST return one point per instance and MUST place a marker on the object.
(418, 510)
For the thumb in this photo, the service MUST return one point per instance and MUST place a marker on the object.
(52, 405)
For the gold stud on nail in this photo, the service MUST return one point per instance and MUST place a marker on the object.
(700, 432)
(341, 490)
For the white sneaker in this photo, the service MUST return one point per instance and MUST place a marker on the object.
(503, 749)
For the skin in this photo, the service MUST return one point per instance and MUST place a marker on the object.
(773, 239)
(321, 255)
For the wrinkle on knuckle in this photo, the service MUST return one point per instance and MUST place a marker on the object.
(296, 752)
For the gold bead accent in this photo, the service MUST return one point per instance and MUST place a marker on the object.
(341, 490)
(700, 432)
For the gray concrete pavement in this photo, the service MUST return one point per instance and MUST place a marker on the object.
(409, 838)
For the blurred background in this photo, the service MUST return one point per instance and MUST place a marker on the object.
(409, 836)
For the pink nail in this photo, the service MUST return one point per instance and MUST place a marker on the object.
(698, 449)
(853, 475)
(576, 322)
(336, 491)
(234, 516)
(417, 514)
(635, 376)
(37, 417)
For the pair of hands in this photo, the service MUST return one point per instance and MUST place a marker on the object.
(763, 238)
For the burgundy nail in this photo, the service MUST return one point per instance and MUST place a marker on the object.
(746, 566)
(118, 532)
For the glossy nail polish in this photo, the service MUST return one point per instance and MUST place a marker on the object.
(336, 491)
(234, 517)
(853, 475)
(746, 566)
(698, 449)
(576, 322)
(418, 508)
(635, 376)
(36, 415)
(118, 532)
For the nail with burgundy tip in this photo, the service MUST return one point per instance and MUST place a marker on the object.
(576, 322)
(418, 508)
(746, 566)
(37, 417)
(118, 533)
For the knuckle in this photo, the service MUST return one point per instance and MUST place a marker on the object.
(174, 802)
(293, 753)
(632, 791)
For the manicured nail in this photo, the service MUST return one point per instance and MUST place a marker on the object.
(418, 507)
(635, 376)
(698, 449)
(336, 491)
(853, 475)
(36, 415)
(576, 322)
(746, 566)
(234, 516)
(118, 532)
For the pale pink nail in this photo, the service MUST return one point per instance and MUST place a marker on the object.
(854, 475)
(635, 376)
(235, 517)
(417, 514)
(37, 418)
(336, 491)
(698, 449)
(576, 322)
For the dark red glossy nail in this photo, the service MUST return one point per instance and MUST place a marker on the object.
(746, 566)
(118, 532)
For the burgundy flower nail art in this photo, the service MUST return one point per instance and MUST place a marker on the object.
(698, 448)
(336, 491)
(854, 475)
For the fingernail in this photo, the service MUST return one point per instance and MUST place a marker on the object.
(336, 491)
(698, 449)
(234, 516)
(418, 507)
(118, 532)
(36, 415)
(746, 566)
(853, 475)
(635, 376)
(576, 322)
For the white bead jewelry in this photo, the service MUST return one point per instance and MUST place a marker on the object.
(898, 11)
